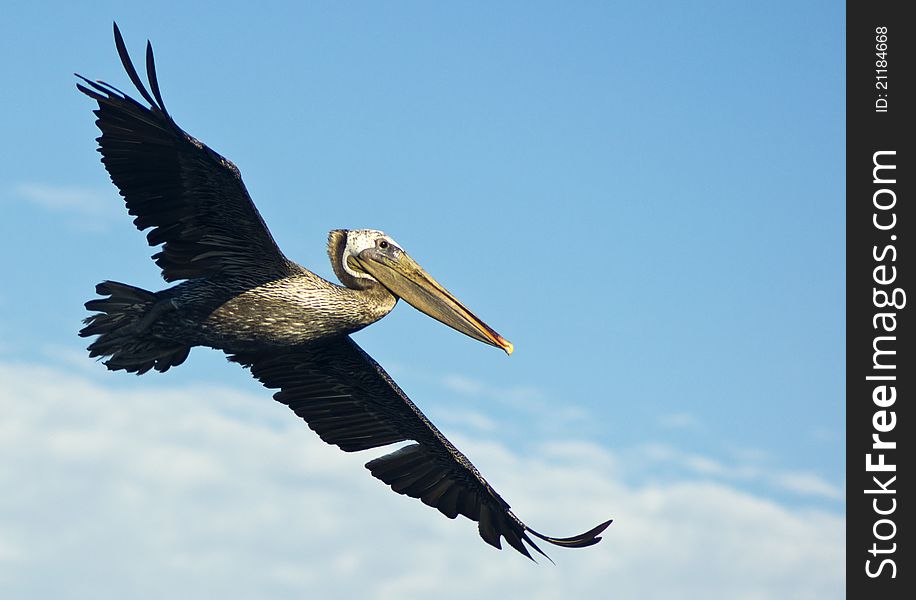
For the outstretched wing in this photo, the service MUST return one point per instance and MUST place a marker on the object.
(351, 402)
(192, 198)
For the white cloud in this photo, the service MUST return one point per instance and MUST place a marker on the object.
(123, 491)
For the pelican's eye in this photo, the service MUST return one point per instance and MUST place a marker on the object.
(383, 244)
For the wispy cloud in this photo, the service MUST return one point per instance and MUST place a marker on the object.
(521, 397)
(227, 494)
(467, 419)
(745, 466)
(85, 208)
(830, 436)
(680, 421)
(807, 484)
(795, 482)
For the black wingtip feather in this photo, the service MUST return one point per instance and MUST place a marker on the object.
(100, 87)
(516, 542)
(91, 93)
(151, 76)
(589, 538)
(129, 67)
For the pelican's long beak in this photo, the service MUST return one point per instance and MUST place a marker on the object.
(404, 278)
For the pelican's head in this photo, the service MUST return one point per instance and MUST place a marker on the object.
(362, 258)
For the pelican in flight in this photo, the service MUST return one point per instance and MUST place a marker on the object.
(238, 293)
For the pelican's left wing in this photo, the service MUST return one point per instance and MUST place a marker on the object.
(191, 198)
(351, 402)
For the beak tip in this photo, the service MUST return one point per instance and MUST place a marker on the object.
(508, 347)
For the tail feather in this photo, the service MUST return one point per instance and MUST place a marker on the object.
(122, 322)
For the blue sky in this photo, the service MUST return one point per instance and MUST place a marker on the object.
(647, 200)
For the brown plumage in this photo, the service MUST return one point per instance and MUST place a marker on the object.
(240, 294)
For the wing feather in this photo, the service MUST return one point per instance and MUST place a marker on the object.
(192, 199)
(351, 402)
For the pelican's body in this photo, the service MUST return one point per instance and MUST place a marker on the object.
(299, 308)
(240, 294)
(295, 310)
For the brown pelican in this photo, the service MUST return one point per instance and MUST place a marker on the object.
(240, 294)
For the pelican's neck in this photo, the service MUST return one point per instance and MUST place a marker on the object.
(365, 305)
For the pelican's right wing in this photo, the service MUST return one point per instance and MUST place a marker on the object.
(192, 197)
(351, 402)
